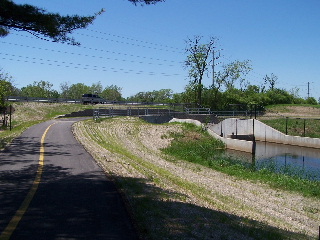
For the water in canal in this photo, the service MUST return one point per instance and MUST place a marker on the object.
(301, 161)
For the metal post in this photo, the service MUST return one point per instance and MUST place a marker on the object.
(255, 111)
(286, 125)
(236, 128)
(253, 139)
(213, 67)
(304, 127)
(10, 115)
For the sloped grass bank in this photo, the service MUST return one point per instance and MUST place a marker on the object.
(196, 146)
(172, 198)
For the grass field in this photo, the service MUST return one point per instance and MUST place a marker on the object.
(295, 120)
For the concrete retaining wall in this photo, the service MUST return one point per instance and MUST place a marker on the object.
(262, 132)
(157, 119)
(235, 144)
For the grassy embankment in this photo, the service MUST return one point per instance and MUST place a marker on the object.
(197, 146)
(28, 114)
(167, 196)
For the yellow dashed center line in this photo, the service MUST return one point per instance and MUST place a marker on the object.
(6, 234)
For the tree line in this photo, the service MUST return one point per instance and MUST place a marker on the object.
(228, 91)
(44, 89)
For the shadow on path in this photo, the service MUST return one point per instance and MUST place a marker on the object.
(67, 206)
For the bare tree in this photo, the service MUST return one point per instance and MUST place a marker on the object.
(271, 80)
(198, 61)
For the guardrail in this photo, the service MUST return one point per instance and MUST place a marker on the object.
(67, 100)
(158, 113)
(237, 113)
(111, 112)
(43, 100)
(198, 110)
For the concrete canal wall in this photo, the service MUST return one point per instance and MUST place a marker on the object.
(231, 131)
(238, 128)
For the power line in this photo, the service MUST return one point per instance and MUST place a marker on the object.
(92, 56)
(174, 49)
(113, 52)
(49, 62)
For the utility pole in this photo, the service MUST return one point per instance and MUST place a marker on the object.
(213, 58)
(308, 89)
(213, 64)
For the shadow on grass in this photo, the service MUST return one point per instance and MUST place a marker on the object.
(160, 217)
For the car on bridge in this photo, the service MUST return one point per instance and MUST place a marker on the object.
(92, 99)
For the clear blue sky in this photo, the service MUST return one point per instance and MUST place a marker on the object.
(142, 48)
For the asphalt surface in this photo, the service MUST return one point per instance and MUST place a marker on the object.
(74, 199)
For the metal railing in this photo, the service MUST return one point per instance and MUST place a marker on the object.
(67, 100)
(237, 113)
(198, 110)
(43, 100)
(112, 112)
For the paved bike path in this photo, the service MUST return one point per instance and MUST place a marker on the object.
(74, 198)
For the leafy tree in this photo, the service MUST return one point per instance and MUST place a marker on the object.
(6, 89)
(279, 96)
(311, 100)
(77, 90)
(40, 23)
(41, 89)
(190, 94)
(64, 87)
(198, 61)
(112, 93)
(96, 88)
(162, 95)
(142, 97)
(231, 75)
(177, 98)
(233, 72)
